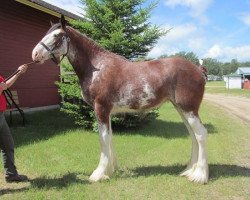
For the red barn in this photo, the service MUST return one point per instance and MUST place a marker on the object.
(22, 25)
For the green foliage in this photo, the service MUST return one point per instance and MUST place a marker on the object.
(133, 120)
(72, 103)
(234, 65)
(216, 67)
(120, 26)
(213, 66)
(187, 55)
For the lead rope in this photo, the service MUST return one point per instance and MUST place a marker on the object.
(9, 77)
(8, 93)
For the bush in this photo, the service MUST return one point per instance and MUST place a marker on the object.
(83, 114)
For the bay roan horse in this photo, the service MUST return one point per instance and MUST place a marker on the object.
(112, 84)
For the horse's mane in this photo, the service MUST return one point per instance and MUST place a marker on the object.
(93, 43)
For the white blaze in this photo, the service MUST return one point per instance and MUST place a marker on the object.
(42, 53)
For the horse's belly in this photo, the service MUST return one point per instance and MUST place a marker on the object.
(123, 109)
(137, 105)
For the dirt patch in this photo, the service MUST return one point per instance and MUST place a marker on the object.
(237, 106)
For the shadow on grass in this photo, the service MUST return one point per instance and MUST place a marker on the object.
(58, 183)
(47, 124)
(41, 126)
(11, 191)
(216, 171)
(164, 129)
(49, 183)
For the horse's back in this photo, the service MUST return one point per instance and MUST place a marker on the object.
(176, 71)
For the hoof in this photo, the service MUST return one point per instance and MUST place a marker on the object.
(188, 171)
(98, 175)
(199, 175)
(100, 178)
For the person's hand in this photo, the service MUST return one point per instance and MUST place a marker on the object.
(3, 86)
(22, 69)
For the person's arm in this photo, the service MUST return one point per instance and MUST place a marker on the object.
(3, 86)
(22, 69)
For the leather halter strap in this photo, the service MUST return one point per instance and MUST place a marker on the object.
(54, 59)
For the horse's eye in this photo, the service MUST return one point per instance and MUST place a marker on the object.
(55, 35)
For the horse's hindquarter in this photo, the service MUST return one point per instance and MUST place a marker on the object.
(188, 84)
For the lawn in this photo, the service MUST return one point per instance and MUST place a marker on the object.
(219, 87)
(59, 157)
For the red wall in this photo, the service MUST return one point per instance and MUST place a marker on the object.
(21, 28)
(246, 84)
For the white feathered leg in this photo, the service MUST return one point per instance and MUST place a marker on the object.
(105, 167)
(199, 172)
(194, 156)
(112, 151)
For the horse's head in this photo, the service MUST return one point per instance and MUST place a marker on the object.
(53, 45)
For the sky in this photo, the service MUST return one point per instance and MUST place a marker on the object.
(218, 29)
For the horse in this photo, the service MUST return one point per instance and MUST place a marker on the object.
(113, 84)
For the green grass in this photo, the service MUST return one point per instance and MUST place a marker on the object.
(59, 157)
(219, 87)
(216, 84)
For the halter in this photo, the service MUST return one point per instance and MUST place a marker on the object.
(54, 59)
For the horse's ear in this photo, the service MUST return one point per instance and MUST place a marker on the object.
(51, 23)
(63, 22)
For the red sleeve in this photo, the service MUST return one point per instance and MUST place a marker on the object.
(1, 79)
(3, 103)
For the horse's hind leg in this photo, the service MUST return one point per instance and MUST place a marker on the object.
(112, 152)
(194, 154)
(197, 170)
(200, 173)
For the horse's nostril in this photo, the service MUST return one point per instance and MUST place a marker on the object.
(36, 54)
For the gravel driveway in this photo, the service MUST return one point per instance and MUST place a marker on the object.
(237, 106)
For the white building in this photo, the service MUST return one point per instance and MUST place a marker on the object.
(235, 81)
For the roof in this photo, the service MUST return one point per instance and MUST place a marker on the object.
(243, 70)
(50, 9)
(232, 75)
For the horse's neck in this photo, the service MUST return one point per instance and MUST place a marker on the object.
(84, 54)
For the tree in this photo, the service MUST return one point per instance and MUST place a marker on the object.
(191, 56)
(226, 67)
(122, 27)
(234, 65)
(213, 66)
(245, 64)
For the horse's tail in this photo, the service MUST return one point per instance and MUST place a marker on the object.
(204, 72)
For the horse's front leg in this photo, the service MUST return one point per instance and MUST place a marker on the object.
(107, 163)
